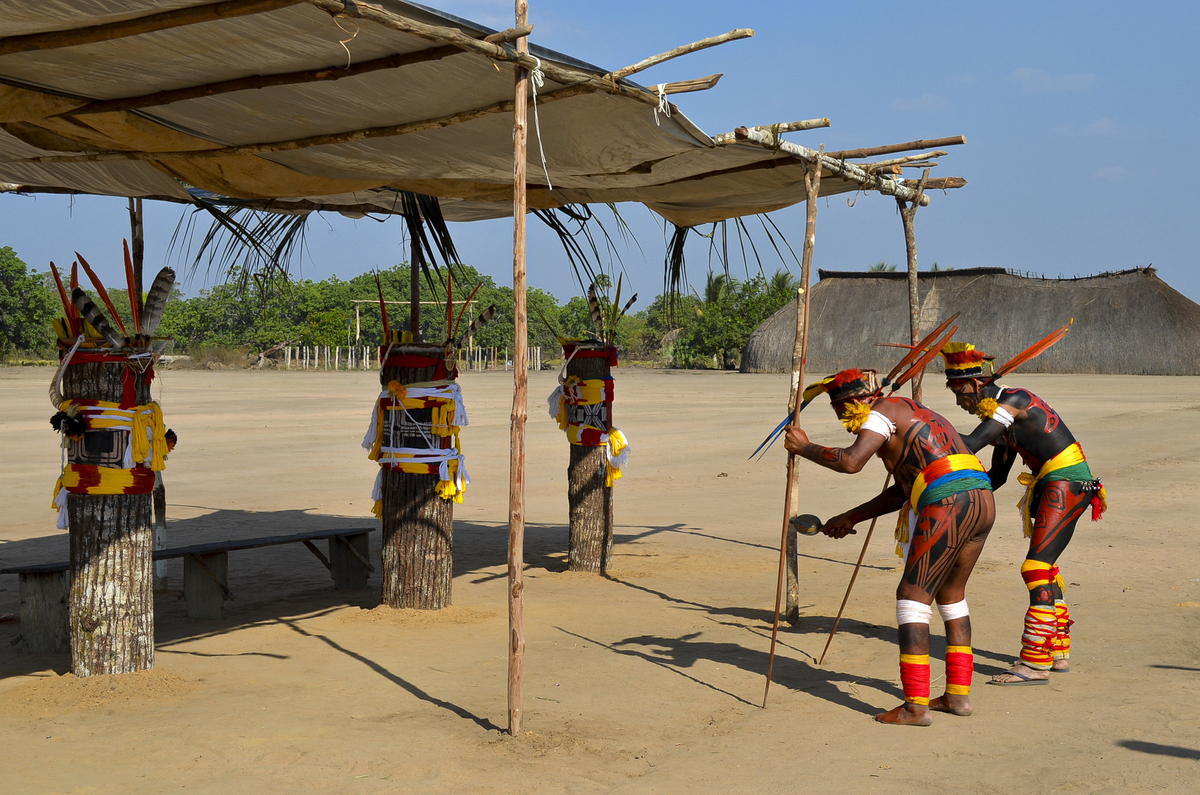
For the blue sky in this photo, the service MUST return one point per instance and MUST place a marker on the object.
(1078, 118)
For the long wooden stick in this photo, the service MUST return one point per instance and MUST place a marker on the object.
(388, 131)
(812, 184)
(907, 218)
(866, 541)
(516, 487)
(889, 187)
(282, 79)
(911, 146)
(703, 44)
(782, 127)
(685, 86)
(56, 39)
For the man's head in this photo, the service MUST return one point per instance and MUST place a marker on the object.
(847, 389)
(967, 371)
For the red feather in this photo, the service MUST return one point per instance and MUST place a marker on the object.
(1033, 350)
(920, 347)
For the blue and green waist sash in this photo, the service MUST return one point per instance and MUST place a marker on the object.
(946, 477)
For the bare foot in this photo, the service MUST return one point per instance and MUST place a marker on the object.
(906, 715)
(955, 705)
(1020, 674)
(1061, 666)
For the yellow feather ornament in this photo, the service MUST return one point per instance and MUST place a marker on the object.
(986, 408)
(855, 415)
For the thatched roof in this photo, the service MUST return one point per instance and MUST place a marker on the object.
(1129, 322)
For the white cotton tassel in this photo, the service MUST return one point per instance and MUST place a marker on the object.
(127, 461)
(464, 479)
(460, 408)
(377, 491)
(60, 500)
(618, 461)
(554, 402)
(369, 439)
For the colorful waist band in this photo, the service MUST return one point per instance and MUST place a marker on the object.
(948, 476)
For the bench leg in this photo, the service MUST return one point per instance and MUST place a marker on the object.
(44, 625)
(350, 571)
(205, 585)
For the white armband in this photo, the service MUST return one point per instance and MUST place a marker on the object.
(1002, 416)
(880, 424)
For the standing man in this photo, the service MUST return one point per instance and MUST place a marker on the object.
(1059, 487)
(951, 514)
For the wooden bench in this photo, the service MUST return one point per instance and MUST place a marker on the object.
(45, 587)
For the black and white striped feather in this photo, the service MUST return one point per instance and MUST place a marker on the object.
(478, 323)
(156, 301)
(594, 308)
(92, 314)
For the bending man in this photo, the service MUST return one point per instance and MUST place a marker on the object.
(949, 510)
(1017, 421)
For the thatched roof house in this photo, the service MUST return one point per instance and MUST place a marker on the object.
(1129, 322)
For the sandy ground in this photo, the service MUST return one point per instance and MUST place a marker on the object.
(649, 681)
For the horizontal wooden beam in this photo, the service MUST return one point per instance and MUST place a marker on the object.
(781, 127)
(944, 183)
(283, 79)
(57, 39)
(897, 161)
(408, 128)
(703, 44)
(887, 150)
(839, 167)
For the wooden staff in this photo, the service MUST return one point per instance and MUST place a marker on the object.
(886, 482)
(812, 184)
(516, 462)
(907, 216)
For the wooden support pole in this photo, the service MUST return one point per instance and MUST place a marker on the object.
(782, 127)
(56, 39)
(516, 463)
(812, 184)
(686, 86)
(907, 215)
(703, 44)
(889, 187)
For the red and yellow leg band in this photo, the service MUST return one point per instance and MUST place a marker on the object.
(914, 678)
(1037, 641)
(960, 666)
(1036, 574)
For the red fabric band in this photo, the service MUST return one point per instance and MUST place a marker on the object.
(915, 680)
(591, 353)
(959, 668)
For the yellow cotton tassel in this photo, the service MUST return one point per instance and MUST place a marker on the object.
(857, 414)
(986, 408)
(377, 509)
(397, 389)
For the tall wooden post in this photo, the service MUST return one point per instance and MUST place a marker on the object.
(907, 216)
(589, 500)
(516, 463)
(111, 602)
(418, 525)
(812, 184)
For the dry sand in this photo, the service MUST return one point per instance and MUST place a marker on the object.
(649, 681)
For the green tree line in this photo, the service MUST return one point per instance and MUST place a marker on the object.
(703, 329)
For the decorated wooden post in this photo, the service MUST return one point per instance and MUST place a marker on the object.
(582, 405)
(114, 444)
(413, 435)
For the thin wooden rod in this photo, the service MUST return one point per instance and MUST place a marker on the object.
(812, 184)
(889, 187)
(391, 131)
(901, 160)
(696, 46)
(57, 39)
(516, 463)
(498, 52)
(945, 183)
(893, 148)
(282, 79)
(686, 86)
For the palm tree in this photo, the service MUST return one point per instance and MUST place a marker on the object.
(881, 267)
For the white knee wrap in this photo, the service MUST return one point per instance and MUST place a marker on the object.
(956, 610)
(910, 612)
